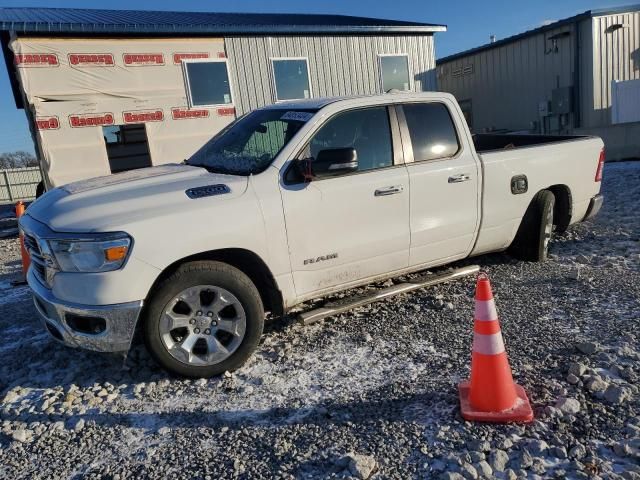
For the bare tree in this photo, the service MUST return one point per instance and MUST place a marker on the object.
(19, 159)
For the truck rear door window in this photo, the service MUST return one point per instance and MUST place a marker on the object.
(433, 134)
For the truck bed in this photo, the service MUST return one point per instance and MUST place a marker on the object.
(559, 163)
(487, 142)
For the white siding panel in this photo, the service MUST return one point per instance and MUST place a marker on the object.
(338, 65)
(616, 49)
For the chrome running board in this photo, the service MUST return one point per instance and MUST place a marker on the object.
(330, 309)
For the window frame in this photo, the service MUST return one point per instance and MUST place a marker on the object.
(381, 80)
(273, 78)
(406, 134)
(397, 152)
(187, 83)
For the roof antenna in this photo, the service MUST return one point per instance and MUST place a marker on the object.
(492, 39)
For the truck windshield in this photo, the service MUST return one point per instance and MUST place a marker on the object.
(249, 145)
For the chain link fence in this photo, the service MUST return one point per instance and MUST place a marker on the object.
(19, 184)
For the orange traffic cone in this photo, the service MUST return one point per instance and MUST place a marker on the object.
(491, 395)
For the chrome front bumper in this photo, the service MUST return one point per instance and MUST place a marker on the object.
(104, 328)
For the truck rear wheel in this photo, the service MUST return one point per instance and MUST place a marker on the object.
(204, 319)
(532, 239)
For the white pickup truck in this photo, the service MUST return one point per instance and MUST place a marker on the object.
(292, 202)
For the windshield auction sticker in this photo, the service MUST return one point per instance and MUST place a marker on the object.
(299, 116)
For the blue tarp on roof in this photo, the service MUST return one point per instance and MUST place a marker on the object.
(71, 20)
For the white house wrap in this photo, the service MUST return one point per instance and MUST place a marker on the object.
(77, 86)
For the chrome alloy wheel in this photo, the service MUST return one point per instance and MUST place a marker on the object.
(203, 325)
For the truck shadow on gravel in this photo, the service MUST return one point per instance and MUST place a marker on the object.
(421, 408)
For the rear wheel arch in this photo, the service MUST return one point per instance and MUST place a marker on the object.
(563, 209)
(532, 238)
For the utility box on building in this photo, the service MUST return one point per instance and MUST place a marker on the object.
(561, 100)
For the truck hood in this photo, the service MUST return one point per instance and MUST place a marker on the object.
(110, 202)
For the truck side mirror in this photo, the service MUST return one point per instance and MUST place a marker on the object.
(335, 161)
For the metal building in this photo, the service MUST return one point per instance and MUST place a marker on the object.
(106, 91)
(577, 75)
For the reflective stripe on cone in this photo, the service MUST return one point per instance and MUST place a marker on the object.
(485, 310)
(488, 344)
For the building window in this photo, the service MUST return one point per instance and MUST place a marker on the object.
(291, 78)
(207, 82)
(127, 147)
(394, 72)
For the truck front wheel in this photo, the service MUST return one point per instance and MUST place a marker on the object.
(532, 240)
(204, 319)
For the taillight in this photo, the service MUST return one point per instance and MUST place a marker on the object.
(600, 166)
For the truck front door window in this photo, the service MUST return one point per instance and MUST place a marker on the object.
(367, 131)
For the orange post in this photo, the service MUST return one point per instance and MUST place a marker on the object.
(491, 394)
(26, 261)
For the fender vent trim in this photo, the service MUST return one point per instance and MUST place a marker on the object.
(207, 191)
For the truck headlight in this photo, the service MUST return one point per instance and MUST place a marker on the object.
(103, 253)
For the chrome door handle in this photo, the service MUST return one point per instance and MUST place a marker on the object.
(463, 177)
(381, 192)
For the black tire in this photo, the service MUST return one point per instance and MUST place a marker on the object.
(532, 239)
(195, 274)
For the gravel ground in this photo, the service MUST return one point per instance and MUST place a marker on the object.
(371, 393)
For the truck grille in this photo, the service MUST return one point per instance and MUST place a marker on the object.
(37, 260)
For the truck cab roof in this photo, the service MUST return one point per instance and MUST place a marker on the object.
(318, 103)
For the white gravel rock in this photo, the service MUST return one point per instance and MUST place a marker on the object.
(616, 394)
(568, 405)
(578, 452)
(596, 385)
(22, 435)
(485, 469)
(499, 460)
(468, 471)
(359, 466)
(577, 369)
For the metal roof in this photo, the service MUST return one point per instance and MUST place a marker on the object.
(94, 21)
(544, 28)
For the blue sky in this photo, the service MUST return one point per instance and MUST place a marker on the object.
(470, 22)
